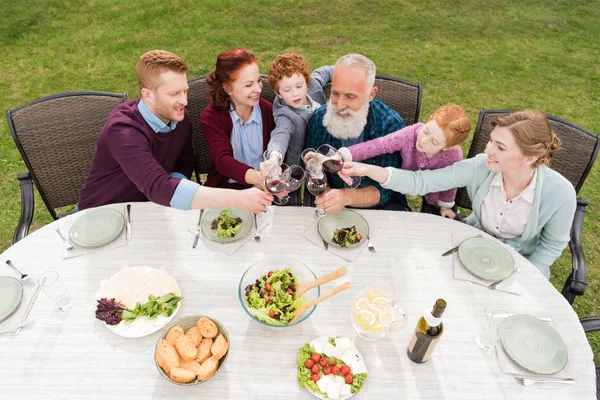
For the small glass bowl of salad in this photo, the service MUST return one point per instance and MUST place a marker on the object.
(266, 291)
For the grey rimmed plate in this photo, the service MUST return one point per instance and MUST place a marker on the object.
(342, 219)
(486, 259)
(11, 294)
(533, 344)
(213, 214)
(96, 228)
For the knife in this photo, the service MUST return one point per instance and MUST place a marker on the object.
(197, 233)
(17, 326)
(30, 305)
(455, 249)
(129, 222)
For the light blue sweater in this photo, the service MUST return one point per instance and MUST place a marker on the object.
(548, 228)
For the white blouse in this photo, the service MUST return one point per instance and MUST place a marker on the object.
(507, 219)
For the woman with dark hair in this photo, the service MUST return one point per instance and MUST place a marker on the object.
(515, 196)
(237, 123)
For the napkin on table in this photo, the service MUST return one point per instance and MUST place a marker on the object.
(348, 254)
(65, 227)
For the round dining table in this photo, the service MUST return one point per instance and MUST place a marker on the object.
(72, 355)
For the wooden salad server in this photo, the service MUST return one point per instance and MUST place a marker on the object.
(300, 288)
(304, 307)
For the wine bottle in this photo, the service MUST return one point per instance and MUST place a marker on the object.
(427, 333)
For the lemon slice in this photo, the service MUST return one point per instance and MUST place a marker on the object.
(361, 303)
(377, 327)
(385, 318)
(381, 300)
(367, 317)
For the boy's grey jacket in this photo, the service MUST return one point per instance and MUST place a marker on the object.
(290, 123)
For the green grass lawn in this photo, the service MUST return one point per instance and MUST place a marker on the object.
(513, 54)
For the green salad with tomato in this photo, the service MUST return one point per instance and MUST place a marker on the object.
(271, 297)
(314, 366)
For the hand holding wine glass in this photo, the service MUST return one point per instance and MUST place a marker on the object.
(333, 162)
(277, 182)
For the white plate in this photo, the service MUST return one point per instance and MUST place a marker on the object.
(319, 395)
(132, 285)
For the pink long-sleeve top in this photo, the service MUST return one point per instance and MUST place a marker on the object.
(404, 141)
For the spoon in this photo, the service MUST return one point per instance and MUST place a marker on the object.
(301, 288)
(304, 307)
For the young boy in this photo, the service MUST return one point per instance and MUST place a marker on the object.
(299, 94)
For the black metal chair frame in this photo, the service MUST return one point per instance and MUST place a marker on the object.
(577, 281)
(27, 179)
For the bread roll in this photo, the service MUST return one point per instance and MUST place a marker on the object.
(166, 356)
(173, 334)
(195, 335)
(208, 368)
(204, 350)
(219, 347)
(186, 348)
(193, 365)
(207, 328)
(182, 375)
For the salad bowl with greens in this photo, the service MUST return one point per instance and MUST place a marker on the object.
(266, 291)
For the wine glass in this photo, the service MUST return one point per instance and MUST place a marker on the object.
(333, 162)
(296, 179)
(277, 182)
(316, 184)
(312, 161)
(271, 160)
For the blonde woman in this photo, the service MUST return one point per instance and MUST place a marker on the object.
(515, 196)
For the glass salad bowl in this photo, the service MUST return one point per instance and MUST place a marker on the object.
(274, 307)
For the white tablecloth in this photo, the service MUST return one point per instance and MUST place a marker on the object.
(71, 355)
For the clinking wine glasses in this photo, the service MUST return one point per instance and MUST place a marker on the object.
(332, 162)
(284, 179)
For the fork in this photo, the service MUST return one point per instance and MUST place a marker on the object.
(26, 279)
(494, 285)
(68, 245)
(370, 245)
(530, 381)
(256, 234)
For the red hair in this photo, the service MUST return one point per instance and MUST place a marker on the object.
(228, 65)
(453, 122)
(287, 65)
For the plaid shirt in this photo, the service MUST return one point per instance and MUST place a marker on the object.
(380, 121)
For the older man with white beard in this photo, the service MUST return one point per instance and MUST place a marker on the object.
(352, 116)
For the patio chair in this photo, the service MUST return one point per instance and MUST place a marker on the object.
(197, 102)
(56, 136)
(574, 161)
(402, 96)
(592, 324)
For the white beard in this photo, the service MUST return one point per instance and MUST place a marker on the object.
(349, 127)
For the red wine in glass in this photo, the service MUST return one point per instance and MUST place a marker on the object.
(276, 186)
(316, 186)
(332, 165)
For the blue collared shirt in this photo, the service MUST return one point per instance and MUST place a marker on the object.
(155, 123)
(247, 139)
(381, 120)
(186, 189)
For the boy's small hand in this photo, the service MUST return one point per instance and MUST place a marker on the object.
(447, 213)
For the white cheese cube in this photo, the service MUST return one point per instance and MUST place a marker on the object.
(343, 343)
(345, 390)
(348, 358)
(339, 352)
(339, 380)
(328, 349)
(333, 390)
(323, 383)
(318, 344)
(358, 367)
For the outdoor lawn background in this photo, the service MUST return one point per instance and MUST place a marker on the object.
(501, 54)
